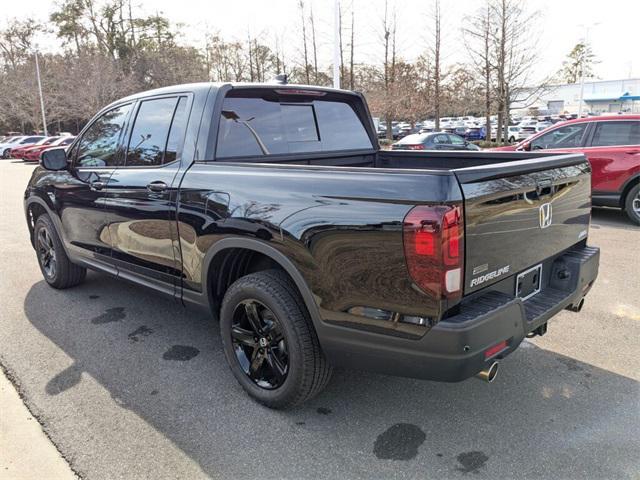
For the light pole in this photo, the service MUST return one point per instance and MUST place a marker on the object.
(586, 45)
(44, 120)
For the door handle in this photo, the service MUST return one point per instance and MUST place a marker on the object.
(157, 187)
(633, 152)
(97, 185)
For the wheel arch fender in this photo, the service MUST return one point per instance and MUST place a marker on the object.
(628, 185)
(269, 251)
(29, 204)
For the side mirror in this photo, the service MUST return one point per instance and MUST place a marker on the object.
(54, 159)
(525, 147)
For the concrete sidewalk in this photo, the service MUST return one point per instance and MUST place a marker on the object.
(25, 451)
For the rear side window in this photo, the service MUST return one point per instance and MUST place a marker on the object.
(456, 140)
(149, 136)
(440, 139)
(177, 131)
(616, 133)
(257, 127)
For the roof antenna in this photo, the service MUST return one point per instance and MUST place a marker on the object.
(281, 79)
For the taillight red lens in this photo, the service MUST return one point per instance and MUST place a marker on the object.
(433, 248)
(415, 147)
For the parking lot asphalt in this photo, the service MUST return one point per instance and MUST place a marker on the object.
(128, 384)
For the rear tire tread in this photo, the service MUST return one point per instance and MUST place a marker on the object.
(628, 204)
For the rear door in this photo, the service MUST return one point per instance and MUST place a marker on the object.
(141, 197)
(441, 141)
(614, 153)
(515, 221)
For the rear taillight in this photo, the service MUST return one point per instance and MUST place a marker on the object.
(433, 238)
(419, 146)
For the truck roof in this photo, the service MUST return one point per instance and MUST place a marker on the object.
(191, 87)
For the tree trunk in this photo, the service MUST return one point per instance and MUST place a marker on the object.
(436, 79)
(304, 44)
(351, 87)
(313, 44)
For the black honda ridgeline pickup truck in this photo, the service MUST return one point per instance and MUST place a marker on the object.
(273, 207)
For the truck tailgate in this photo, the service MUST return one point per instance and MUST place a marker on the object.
(517, 214)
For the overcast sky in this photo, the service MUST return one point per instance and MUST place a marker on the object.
(562, 25)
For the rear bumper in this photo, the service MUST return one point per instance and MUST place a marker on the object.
(453, 349)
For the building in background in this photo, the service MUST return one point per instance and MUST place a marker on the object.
(600, 97)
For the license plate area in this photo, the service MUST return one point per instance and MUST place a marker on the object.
(528, 282)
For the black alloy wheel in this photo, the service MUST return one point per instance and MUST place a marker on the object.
(57, 270)
(46, 252)
(259, 344)
(269, 340)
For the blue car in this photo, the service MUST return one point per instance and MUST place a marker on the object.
(475, 133)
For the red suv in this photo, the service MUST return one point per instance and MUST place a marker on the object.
(612, 145)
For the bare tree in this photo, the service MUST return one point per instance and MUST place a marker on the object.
(314, 45)
(513, 43)
(477, 37)
(351, 48)
(340, 45)
(389, 64)
(436, 52)
(304, 42)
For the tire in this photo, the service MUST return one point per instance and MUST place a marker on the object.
(5, 153)
(632, 204)
(56, 268)
(291, 368)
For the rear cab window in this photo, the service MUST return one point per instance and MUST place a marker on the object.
(267, 123)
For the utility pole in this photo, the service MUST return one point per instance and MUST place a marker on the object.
(336, 44)
(586, 44)
(44, 120)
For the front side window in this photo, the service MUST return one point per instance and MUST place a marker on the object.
(252, 126)
(98, 146)
(150, 132)
(569, 136)
(610, 134)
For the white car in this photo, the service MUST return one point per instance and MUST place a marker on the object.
(513, 133)
(5, 148)
(542, 125)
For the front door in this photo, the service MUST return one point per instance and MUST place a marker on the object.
(80, 194)
(142, 194)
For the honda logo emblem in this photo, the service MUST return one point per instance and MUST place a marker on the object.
(545, 215)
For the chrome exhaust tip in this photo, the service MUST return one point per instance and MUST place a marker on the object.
(577, 307)
(488, 374)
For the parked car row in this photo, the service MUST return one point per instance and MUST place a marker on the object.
(434, 141)
(612, 146)
(29, 148)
